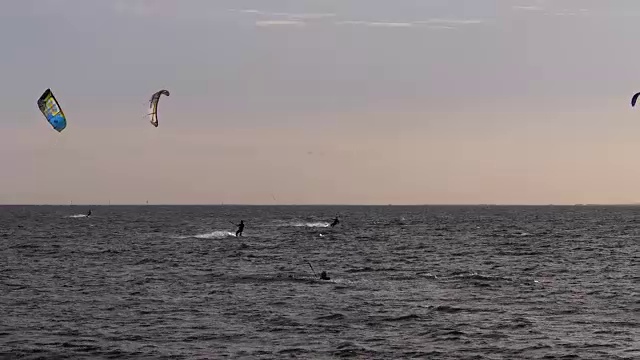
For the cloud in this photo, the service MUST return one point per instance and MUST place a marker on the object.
(568, 12)
(551, 11)
(442, 27)
(266, 18)
(299, 16)
(377, 23)
(280, 23)
(248, 11)
(528, 8)
(439, 24)
(305, 16)
(452, 21)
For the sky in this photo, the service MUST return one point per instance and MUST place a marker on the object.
(322, 101)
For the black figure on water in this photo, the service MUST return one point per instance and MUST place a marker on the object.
(323, 276)
(335, 222)
(89, 213)
(240, 228)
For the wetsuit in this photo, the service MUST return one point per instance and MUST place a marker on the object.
(240, 229)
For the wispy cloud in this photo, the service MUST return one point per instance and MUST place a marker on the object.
(305, 15)
(550, 10)
(248, 11)
(377, 23)
(280, 23)
(451, 21)
(568, 12)
(266, 18)
(300, 16)
(528, 8)
(442, 27)
(431, 24)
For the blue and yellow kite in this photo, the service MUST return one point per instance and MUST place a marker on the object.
(52, 111)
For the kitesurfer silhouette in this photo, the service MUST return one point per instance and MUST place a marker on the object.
(335, 222)
(323, 276)
(240, 228)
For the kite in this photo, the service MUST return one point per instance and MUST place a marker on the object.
(51, 110)
(153, 106)
(634, 98)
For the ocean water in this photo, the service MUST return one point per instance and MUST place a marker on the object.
(430, 282)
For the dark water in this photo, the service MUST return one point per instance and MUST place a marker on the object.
(406, 282)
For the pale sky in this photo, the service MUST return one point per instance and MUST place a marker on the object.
(322, 101)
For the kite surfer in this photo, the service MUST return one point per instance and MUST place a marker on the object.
(323, 275)
(335, 222)
(240, 228)
(89, 213)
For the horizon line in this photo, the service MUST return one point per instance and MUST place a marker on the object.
(319, 204)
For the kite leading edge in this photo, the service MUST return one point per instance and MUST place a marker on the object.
(634, 99)
(153, 106)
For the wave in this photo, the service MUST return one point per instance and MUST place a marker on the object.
(211, 235)
(310, 224)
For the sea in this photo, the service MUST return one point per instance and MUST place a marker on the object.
(405, 282)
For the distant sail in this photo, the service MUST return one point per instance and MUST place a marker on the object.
(153, 106)
(51, 110)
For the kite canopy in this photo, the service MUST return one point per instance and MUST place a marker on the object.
(634, 99)
(153, 106)
(51, 110)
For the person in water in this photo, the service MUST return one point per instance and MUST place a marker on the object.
(89, 213)
(240, 228)
(335, 222)
(323, 276)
